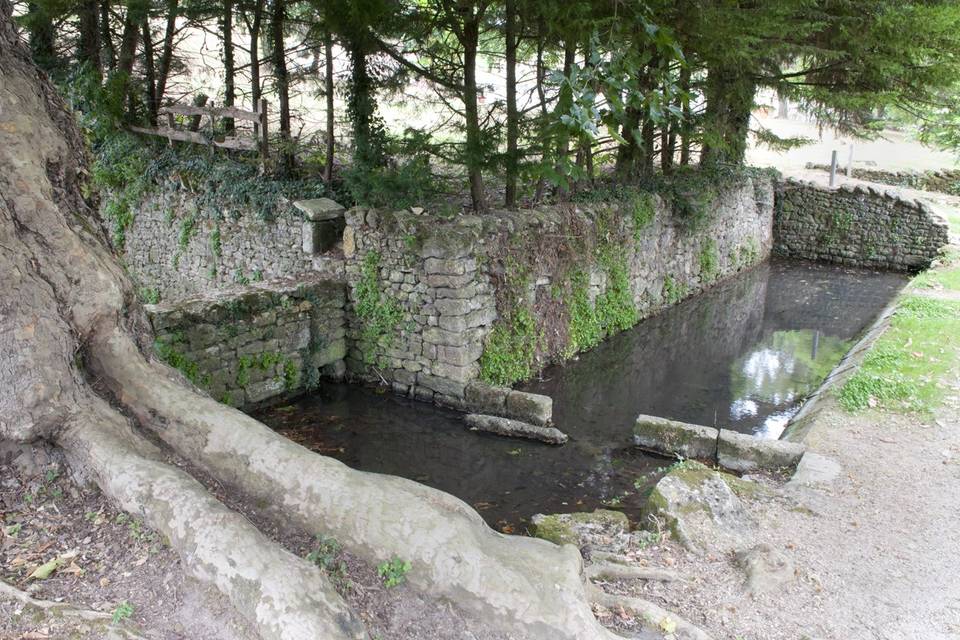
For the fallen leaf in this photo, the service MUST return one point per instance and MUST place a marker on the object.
(668, 625)
(45, 570)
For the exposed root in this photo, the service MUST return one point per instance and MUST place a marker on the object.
(618, 571)
(527, 587)
(284, 597)
(655, 615)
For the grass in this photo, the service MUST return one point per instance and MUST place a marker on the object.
(946, 278)
(904, 369)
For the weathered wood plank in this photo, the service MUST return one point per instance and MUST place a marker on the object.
(219, 112)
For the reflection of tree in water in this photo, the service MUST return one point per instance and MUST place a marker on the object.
(779, 372)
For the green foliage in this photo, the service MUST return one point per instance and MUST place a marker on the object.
(748, 254)
(642, 210)
(187, 228)
(150, 295)
(901, 371)
(326, 555)
(709, 261)
(215, 242)
(673, 291)
(167, 351)
(511, 349)
(268, 361)
(614, 307)
(122, 611)
(394, 572)
(584, 329)
(379, 313)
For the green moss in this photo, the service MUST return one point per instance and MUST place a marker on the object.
(709, 261)
(902, 371)
(187, 227)
(583, 329)
(510, 351)
(560, 528)
(614, 307)
(380, 314)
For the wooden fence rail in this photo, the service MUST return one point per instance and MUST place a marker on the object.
(193, 134)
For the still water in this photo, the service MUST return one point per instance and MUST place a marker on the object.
(742, 356)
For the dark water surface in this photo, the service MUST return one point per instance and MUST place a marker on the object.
(742, 356)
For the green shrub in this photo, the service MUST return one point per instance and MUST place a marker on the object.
(379, 313)
(510, 350)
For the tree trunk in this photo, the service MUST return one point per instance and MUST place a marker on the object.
(255, 90)
(564, 102)
(41, 36)
(106, 36)
(474, 156)
(150, 76)
(88, 44)
(544, 114)
(729, 94)
(69, 315)
(513, 117)
(686, 123)
(229, 73)
(285, 164)
(328, 89)
(166, 56)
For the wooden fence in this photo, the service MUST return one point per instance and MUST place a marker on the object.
(197, 133)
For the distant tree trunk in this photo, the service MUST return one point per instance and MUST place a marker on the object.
(564, 102)
(255, 26)
(41, 36)
(229, 72)
(471, 42)
(729, 93)
(88, 44)
(166, 56)
(283, 86)
(513, 117)
(544, 114)
(686, 123)
(149, 71)
(130, 38)
(328, 88)
(629, 151)
(106, 36)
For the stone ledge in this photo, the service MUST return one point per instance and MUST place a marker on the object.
(532, 408)
(675, 438)
(514, 428)
(729, 449)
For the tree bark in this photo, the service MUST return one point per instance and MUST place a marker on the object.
(729, 94)
(150, 76)
(686, 124)
(41, 36)
(328, 89)
(255, 90)
(88, 44)
(513, 116)
(229, 72)
(470, 41)
(106, 36)
(279, 15)
(166, 56)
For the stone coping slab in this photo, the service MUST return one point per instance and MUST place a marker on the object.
(514, 428)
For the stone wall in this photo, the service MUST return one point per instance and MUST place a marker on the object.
(247, 345)
(431, 300)
(856, 226)
(173, 250)
(943, 181)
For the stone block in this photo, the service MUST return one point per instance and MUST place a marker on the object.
(443, 386)
(264, 390)
(460, 356)
(515, 428)
(460, 374)
(529, 407)
(745, 453)
(484, 398)
(674, 438)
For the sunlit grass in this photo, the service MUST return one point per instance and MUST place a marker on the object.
(904, 369)
(947, 277)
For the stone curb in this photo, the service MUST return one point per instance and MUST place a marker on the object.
(514, 428)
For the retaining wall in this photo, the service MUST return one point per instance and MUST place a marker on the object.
(249, 345)
(856, 226)
(449, 291)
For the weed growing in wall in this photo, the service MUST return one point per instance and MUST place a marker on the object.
(167, 351)
(643, 212)
(673, 291)
(379, 314)
(709, 261)
(614, 307)
(149, 295)
(584, 328)
(511, 349)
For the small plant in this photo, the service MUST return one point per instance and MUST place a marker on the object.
(510, 351)
(215, 244)
(673, 291)
(257, 275)
(150, 295)
(239, 278)
(394, 572)
(123, 611)
(14, 530)
(643, 213)
(379, 313)
(709, 261)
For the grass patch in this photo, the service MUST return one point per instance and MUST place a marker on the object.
(902, 372)
(945, 278)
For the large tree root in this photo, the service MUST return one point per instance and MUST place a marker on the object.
(526, 586)
(655, 615)
(283, 596)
